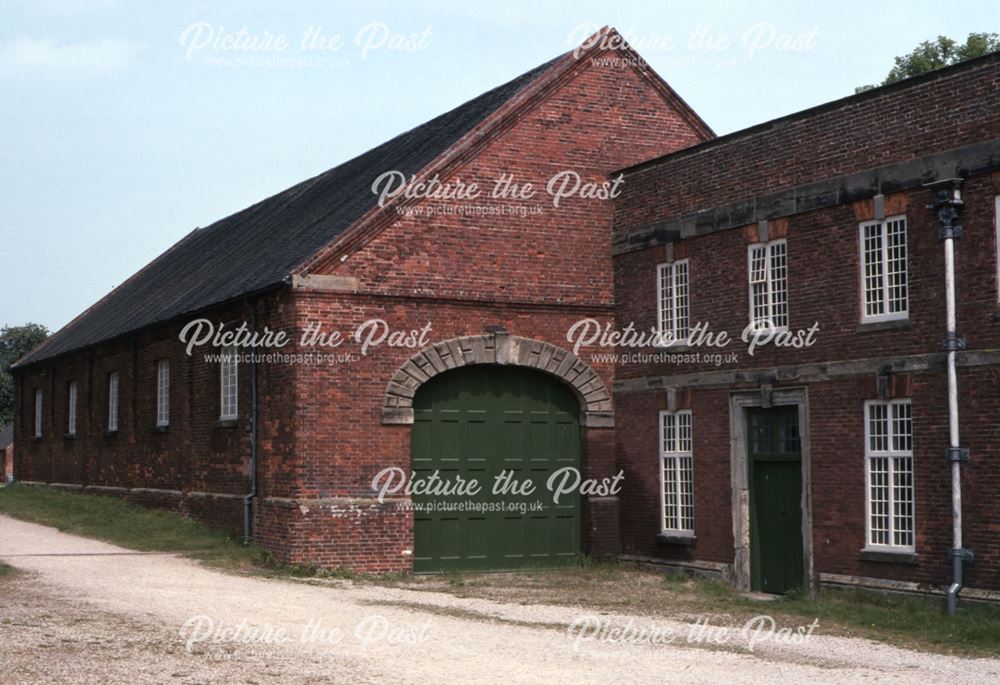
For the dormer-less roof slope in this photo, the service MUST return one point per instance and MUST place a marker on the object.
(260, 247)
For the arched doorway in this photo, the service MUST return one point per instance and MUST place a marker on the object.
(482, 422)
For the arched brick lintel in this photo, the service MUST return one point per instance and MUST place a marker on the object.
(498, 348)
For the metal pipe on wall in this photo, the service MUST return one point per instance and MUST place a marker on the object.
(252, 494)
(947, 203)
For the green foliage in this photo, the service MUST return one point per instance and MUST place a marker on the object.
(675, 577)
(121, 523)
(15, 342)
(149, 530)
(943, 52)
(975, 629)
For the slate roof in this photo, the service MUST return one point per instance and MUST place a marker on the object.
(6, 436)
(257, 248)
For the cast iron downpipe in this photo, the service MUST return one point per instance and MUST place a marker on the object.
(250, 496)
(947, 196)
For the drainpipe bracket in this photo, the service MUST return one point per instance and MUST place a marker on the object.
(960, 454)
(950, 232)
(947, 203)
(965, 554)
(953, 343)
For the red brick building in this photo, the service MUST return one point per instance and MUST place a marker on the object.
(298, 444)
(475, 373)
(823, 461)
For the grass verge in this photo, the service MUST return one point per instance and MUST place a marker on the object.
(893, 618)
(150, 530)
(116, 521)
(618, 587)
(915, 622)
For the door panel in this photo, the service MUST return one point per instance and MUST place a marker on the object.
(777, 488)
(477, 422)
(775, 478)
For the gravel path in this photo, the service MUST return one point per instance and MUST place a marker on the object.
(84, 611)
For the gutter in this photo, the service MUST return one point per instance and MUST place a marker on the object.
(28, 360)
(840, 103)
(252, 494)
(947, 202)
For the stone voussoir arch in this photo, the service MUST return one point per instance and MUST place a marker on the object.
(504, 349)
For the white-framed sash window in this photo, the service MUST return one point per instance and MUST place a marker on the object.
(38, 413)
(112, 401)
(672, 309)
(163, 393)
(768, 275)
(228, 384)
(676, 473)
(884, 279)
(889, 475)
(71, 396)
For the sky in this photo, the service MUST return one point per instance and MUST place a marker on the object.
(124, 125)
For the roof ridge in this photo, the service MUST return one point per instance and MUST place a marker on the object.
(256, 248)
(196, 263)
(847, 100)
(377, 218)
(476, 135)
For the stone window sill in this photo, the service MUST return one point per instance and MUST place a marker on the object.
(161, 429)
(883, 557)
(678, 348)
(676, 539)
(891, 325)
(70, 436)
(227, 423)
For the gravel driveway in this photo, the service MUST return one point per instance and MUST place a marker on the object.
(86, 611)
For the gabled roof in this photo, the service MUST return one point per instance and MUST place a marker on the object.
(259, 248)
(6, 436)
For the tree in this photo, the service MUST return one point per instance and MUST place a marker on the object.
(15, 342)
(943, 52)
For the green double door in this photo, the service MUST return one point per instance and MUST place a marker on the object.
(481, 422)
(775, 478)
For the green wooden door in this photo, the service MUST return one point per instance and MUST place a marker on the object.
(775, 477)
(478, 422)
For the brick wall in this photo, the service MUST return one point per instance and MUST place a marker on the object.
(824, 285)
(196, 465)
(836, 445)
(534, 275)
(320, 436)
(899, 125)
(945, 110)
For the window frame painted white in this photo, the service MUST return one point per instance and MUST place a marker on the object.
(680, 302)
(72, 394)
(884, 288)
(683, 474)
(113, 381)
(890, 455)
(39, 406)
(769, 285)
(229, 381)
(163, 393)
